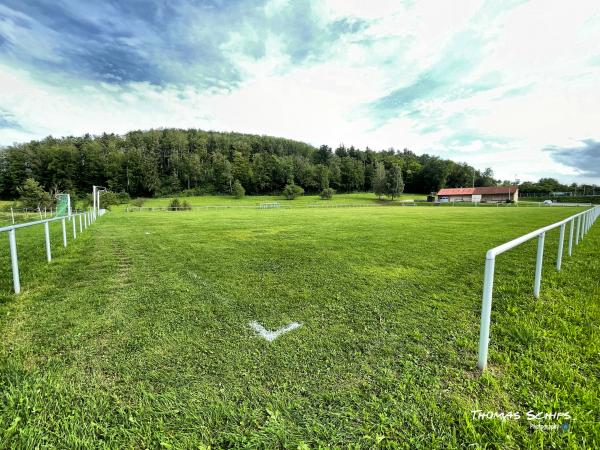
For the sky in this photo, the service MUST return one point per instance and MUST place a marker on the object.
(508, 84)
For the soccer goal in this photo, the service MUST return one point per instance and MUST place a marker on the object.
(268, 205)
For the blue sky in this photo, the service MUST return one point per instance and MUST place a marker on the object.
(514, 85)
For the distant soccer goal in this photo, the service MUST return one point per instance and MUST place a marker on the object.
(63, 205)
(268, 205)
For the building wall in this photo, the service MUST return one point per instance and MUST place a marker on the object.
(458, 198)
(484, 197)
(499, 197)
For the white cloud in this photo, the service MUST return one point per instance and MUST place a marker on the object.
(541, 48)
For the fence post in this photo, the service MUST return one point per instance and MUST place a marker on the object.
(85, 220)
(12, 213)
(538, 265)
(14, 260)
(571, 236)
(64, 231)
(47, 235)
(577, 231)
(560, 247)
(74, 227)
(80, 224)
(486, 312)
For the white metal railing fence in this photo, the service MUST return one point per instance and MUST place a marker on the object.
(579, 225)
(86, 218)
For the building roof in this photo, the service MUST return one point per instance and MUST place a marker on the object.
(490, 190)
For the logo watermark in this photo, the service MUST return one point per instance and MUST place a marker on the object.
(537, 420)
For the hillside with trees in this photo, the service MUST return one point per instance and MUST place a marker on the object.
(174, 161)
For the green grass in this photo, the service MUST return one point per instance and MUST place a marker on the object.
(359, 198)
(137, 334)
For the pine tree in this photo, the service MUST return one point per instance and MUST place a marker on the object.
(394, 182)
(379, 180)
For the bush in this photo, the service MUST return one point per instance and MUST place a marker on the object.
(238, 189)
(291, 191)
(107, 199)
(33, 195)
(123, 197)
(139, 202)
(327, 193)
(177, 205)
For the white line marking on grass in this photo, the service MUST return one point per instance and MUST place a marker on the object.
(272, 335)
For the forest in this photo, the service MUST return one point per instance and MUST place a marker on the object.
(162, 162)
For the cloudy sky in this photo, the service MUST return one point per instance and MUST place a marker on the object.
(514, 85)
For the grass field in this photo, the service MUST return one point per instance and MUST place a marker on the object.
(137, 334)
(359, 198)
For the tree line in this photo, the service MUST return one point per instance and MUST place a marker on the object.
(194, 162)
(546, 186)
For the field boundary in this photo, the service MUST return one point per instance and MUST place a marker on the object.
(584, 220)
(258, 206)
(86, 218)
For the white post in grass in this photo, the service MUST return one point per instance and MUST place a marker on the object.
(12, 213)
(577, 231)
(538, 266)
(571, 226)
(94, 199)
(14, 260)
(85, 220)
(74, 227)
(561, 240)
(47, 235)
(64, 231)
(80, 224)
(588, 220)
(486, 311)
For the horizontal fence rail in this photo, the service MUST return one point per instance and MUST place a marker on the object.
(85, 218)
(579, 225)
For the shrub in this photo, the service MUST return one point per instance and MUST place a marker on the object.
(291, 191)
(123, 197)
(238, 189)
(108, 198)
(327, 193)
(177, 205)
(139, 202)
(34, 196)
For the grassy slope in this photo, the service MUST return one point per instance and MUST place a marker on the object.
(137, 333)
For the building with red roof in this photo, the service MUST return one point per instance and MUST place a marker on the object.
(491, 194)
